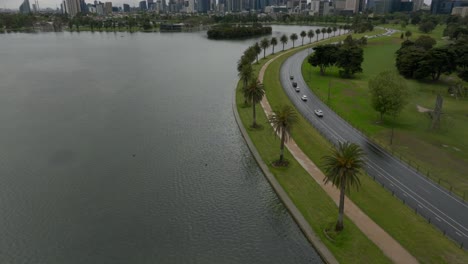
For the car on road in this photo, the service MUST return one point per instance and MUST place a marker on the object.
(294, 84)
(304, 98)
(291, 77)
(297, 89)
(318, 112)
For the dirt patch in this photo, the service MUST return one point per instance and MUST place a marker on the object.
(423, 109)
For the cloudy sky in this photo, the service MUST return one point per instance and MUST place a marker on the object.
(14, 4)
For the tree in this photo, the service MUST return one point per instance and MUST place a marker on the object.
(284, 40)
(264, 44)
(436, 61)
(350, 58)
(342, 168)
(408, 34)
(317, 32)
(408, 58)
(334, 31)
(323, 57)
(340, 27)
(254, 93)
(427, 27)
(273, 43)
(310, 35)
(329, 31)
(293, 38)
(388, 93)
(257, 50)
(282, 122)
(246, 74)
(324, 30)
(425, 42)
(303, 34)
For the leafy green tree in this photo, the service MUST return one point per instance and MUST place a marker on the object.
(303, 34)
(317, 32)
(342, 168)
(293, 38)
(329, 31)
(273, 43)
(324, 30)
(282, 122)
(284, 40)
(310, 35)
(350, 58)
(408, 34)
(408, 58)
(324, 56)
(264, 44)
(388, 93)
(334, 31)
(425, 42)
(437, 61)
(254, 93)
(427, 26)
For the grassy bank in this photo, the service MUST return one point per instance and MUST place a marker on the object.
(442, 155)
(422, 240)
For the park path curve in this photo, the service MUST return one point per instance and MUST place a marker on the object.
(389, 246)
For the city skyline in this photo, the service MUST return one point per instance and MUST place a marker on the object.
(14, 4)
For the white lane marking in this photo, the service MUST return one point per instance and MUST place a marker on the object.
(420, 206)
(404, 194)
(457, 233)
(438, 219)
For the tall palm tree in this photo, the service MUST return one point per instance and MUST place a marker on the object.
(257, 49)
(273, 43)
(254, 93)
(317, 32)
(334, 31)
(341, 169)
(310, 35)
(329, 30)
(284, 40)
(245, 74)
(324, 30)
(264, 44)
(282, 122)
(293, 38)
(303, 34)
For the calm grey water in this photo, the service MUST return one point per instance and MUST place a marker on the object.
(122, 148)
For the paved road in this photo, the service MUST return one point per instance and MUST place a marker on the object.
(445, 211)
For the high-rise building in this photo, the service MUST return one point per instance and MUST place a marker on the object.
(108, 8)
(460, 11)
(446, 6)
(25, 8)
(203, 6)
(352, 5)
(73, 7)
(417, 4)
(126, 7)
(150, 4)
(143, 5)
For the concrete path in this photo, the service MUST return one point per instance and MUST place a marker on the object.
(389, 246)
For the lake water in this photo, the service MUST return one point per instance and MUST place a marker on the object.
(123, 148)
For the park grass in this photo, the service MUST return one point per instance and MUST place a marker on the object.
(412, 231)
(442, 155)
(351, 245)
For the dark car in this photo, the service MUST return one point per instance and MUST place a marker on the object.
(294, 84)
(291, 77)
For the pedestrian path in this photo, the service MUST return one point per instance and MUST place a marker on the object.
(389, 246)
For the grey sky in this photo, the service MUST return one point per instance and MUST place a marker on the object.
(14, 4)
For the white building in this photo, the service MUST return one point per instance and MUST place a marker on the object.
(460, 11)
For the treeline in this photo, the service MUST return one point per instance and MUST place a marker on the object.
(238, 32)
(420, 59)
(348, 56)
(456, 26)
(16, 21)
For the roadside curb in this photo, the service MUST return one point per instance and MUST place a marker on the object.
(322, 250)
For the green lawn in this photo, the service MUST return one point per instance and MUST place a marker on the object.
(443, 155)
(421, 239)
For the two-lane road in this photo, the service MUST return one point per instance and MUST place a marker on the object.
(446, 211)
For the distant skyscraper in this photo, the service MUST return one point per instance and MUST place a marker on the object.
(25, 8)
(108, 8)
(143, 5)
(126, 8)
(73, 7)
(203, 6)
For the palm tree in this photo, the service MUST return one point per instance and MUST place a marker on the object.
(317, 32)
(254, 93)
(257, 49)
(245, 74)
(264, 44)
(303, 34)
(282, 122)
(310, 35)
(324, 30)
(284, 40)
(273, 43)
(329, 30)
(293, 38)
(334, 31)
(341, 169)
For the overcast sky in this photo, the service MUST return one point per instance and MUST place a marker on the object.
(14, 4)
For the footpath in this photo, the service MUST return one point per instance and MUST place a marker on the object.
(389, 246)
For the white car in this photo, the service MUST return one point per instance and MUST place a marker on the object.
(318, 112)
(297, 89)
(304, 98)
